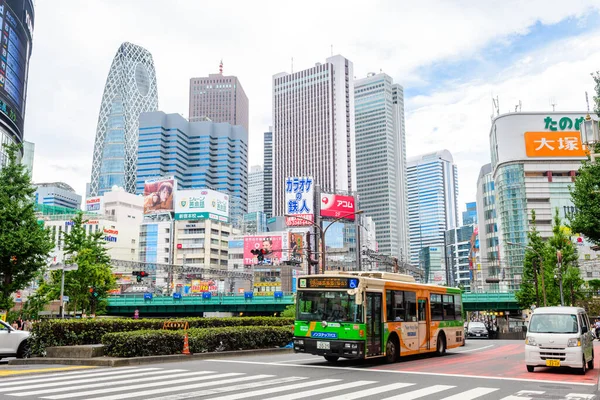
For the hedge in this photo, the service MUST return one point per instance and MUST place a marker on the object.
(161, 342)
(71, 332)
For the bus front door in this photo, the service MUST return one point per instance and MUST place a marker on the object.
(424, 331)
(373, 324)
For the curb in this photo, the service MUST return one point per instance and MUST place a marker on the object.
(122, 362)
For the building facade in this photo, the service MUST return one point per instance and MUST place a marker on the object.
(469, 217)
(254, 222)
(458, 243)
(535, 158)
(256, 184)
(28, 154)
(57, 194)
(130, 90)
(268, 172)
(313, 131)
(197, 154)
(381, 160)
(432, 181)
(218, 98)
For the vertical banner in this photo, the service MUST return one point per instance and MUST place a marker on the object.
(299, 201)
(296, 247)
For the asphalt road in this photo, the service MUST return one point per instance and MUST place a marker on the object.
(483, 369)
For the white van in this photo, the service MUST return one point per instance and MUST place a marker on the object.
(559, 337)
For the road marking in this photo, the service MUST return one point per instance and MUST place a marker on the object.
(471, 394)
(234, 388)
(47, 388)
(370, 392)
(9, 372)
(498, 378)
(315, 392)
(95, 370)
(580, 396)
(60, 377)
(470, 350)
(415, 394)
(302, 359)
(185, 387)
(276, 389)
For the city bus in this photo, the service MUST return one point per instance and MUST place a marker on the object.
(362, 315)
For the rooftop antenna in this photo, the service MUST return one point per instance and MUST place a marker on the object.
(553, 103)
(221, 67)
(496, 105)
(587, 101)
(518, 107)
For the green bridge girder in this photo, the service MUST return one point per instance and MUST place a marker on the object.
(196, 305)
(490, 302)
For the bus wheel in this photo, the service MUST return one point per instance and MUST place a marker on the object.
(331, 358)
(391, 350)
(441, 345)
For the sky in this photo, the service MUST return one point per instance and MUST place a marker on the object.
(452, 57)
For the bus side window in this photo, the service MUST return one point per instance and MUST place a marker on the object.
(422, 310)
(457, 307)
(410, 304)
(436, 307)
(448, 307)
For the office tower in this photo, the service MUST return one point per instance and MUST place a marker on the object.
(256, 183)
(197, 154)
(18, 17)
(28, 155)
(458, 256)
(487, 224)
(129, 91)
(268, 172)
(381, 160)
(469, 216)
(218, 98)
(57, 194)
(432, 202)
(313, 131)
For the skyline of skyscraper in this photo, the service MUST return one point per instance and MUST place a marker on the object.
(381, 160)
(268, 172)
(219, 98)
(432, 182)
(256, 183)
(130, 89)
(313, 128)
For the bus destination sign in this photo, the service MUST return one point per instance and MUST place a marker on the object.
(328, 283)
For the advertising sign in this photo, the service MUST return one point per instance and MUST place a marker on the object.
(202, 204)
(296, 247)
(299, 201)
(158, 195)
(93, 204)
(111, 234)
(199, 286)
(275, 247)
(554, 144)
(337, 205)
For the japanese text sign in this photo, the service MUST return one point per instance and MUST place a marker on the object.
(299, 201)
(337, 206)
(274, 246)
(554, 144)
(563, 123)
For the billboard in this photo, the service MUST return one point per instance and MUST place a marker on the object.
(296, 251)
(94, 204)
(158, 195)
(199, 286)
(275, 246)
(202, 204)
(299, 201)
(16, 22)
(554, 144)
(337, 205)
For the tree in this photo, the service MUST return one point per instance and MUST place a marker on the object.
(24, 244)
(585, 193)
(88, 251)
(529, 291)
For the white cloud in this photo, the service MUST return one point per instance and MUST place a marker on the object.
(74, 43)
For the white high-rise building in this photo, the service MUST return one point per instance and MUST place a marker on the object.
(432, 181)
(381, 160)
(256, 185)
(313, 127)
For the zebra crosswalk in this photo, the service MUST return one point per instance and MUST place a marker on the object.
(154, 383)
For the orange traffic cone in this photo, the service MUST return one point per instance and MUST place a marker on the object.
(186, 346)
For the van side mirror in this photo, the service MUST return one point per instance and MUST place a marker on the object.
(584, 329)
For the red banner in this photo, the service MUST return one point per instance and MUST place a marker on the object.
(337, 205)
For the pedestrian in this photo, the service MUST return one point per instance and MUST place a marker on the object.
(597, 324)
(15, 325)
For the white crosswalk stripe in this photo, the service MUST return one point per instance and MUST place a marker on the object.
(179, 384)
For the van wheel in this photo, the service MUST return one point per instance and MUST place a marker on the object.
(441, 345)
(583, 366)
(331, 358)
(530, 368)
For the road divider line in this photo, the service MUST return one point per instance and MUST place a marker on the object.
(471, 350)
(9, 372)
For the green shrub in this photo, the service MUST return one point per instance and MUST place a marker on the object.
(201, 340)
(71, 332)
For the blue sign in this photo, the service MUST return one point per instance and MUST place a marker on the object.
(147, 296)
(299, 195)
(278, 295)
(324, 335)
(248, 295)
(294, 284)
(177, 295)
(353, 283)
(206, 295)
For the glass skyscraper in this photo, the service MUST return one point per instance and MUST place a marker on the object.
(130, 89)
(268, 173)
(198, 155)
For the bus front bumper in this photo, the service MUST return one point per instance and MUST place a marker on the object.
(339, 348)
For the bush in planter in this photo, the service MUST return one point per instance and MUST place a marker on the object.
(160, 342)
(71, 332)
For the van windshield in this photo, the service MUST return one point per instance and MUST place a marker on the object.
(553, 323)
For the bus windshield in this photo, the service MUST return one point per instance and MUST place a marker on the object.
(328, 306)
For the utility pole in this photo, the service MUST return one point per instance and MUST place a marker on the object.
(560, 280)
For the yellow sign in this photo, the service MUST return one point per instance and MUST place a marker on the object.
(3, 316)
(554, 144)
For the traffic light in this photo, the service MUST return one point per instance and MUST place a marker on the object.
(259, 253)
(139, 275)
(94, 293)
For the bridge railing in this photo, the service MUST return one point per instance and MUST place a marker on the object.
(129, 300)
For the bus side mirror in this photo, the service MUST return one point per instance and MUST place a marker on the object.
(584, 329)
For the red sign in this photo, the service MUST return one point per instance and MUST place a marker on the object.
(271, 245)
(304, 220)
(337, 206)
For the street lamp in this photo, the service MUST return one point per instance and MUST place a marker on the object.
(541, 265)
(590, 135)
(63, 268)
(322, 233)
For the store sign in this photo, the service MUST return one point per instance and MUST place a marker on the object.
(299, 201)
(554, 144)
(563, 123)
(93, 204)
(198, 204)
(110, 235)
(337, 206)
